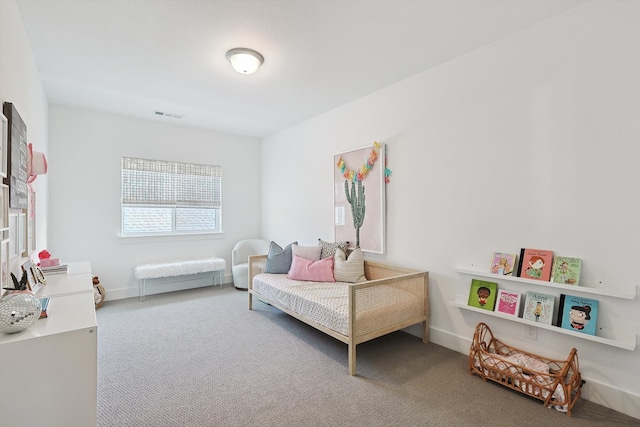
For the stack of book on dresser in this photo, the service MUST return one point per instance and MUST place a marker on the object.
(53, 266)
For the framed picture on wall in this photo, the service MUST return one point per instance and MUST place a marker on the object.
(359, 173)
(22, 233)
(16, 157)
(31, 223)
(3, 149)
(4, 264)
(4, 207)
(13, 235)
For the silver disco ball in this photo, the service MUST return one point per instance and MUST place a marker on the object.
(18, 311)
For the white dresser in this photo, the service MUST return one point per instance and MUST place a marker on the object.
(48, 373)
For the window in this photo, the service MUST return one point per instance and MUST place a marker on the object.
(163, 197)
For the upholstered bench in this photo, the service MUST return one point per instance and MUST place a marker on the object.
(180, 268)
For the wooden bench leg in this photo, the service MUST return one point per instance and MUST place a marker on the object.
(141, 285)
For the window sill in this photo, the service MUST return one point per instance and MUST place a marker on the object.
(169, 237)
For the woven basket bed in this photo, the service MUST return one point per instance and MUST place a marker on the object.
(556, 382)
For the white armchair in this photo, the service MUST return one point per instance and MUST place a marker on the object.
(240, 259)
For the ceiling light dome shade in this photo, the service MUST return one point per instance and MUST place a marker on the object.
(245, 61)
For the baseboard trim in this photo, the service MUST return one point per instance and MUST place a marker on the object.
(593, 391)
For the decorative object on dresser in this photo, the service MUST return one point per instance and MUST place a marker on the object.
(99, 293)
(18, 311)
(39, 275)
(32, 283)
(45, 302)
(20, 285)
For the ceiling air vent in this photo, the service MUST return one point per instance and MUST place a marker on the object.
(175, 116)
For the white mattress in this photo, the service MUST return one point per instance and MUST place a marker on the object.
(327, 302)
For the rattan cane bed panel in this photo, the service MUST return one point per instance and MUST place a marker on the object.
(327, 303)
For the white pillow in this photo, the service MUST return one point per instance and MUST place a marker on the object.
(308, 252)
(350, 269)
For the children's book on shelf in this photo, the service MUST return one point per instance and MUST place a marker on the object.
(503, 263)
(538, 307)
(566, 270)
(45, 302)
(535, 264)
(482, 294)
(578, 314)
(508, 302)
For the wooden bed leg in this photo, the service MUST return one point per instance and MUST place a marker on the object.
(425, 332)
(352, 358)
(250, 301)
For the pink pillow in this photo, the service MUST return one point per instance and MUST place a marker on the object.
(306, 269)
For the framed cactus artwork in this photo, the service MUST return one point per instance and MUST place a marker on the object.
(359, 198)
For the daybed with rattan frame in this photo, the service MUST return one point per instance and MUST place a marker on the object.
(391, 299)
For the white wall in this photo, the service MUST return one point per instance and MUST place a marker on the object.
(84, 171)
(20, 84)
(532, 141)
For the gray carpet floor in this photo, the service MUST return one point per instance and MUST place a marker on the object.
(201, 358)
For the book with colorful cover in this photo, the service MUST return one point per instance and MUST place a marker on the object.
(45, 302)
(503, 263)
(508, 302)
(535, 264)
(566, 270)
(578, 314)
(482, 294)
(538, 307)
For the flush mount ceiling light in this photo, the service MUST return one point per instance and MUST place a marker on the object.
(245, 61)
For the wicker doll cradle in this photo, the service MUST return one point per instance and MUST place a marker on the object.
(556, 382)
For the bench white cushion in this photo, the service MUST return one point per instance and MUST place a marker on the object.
(179, 268)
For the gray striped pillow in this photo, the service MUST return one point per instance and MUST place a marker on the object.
(349, 269)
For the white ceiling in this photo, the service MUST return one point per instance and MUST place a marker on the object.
(135, 57)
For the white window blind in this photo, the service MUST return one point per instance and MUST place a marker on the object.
(160, 197)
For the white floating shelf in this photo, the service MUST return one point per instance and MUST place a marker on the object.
(626, 341)
(628, 292)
